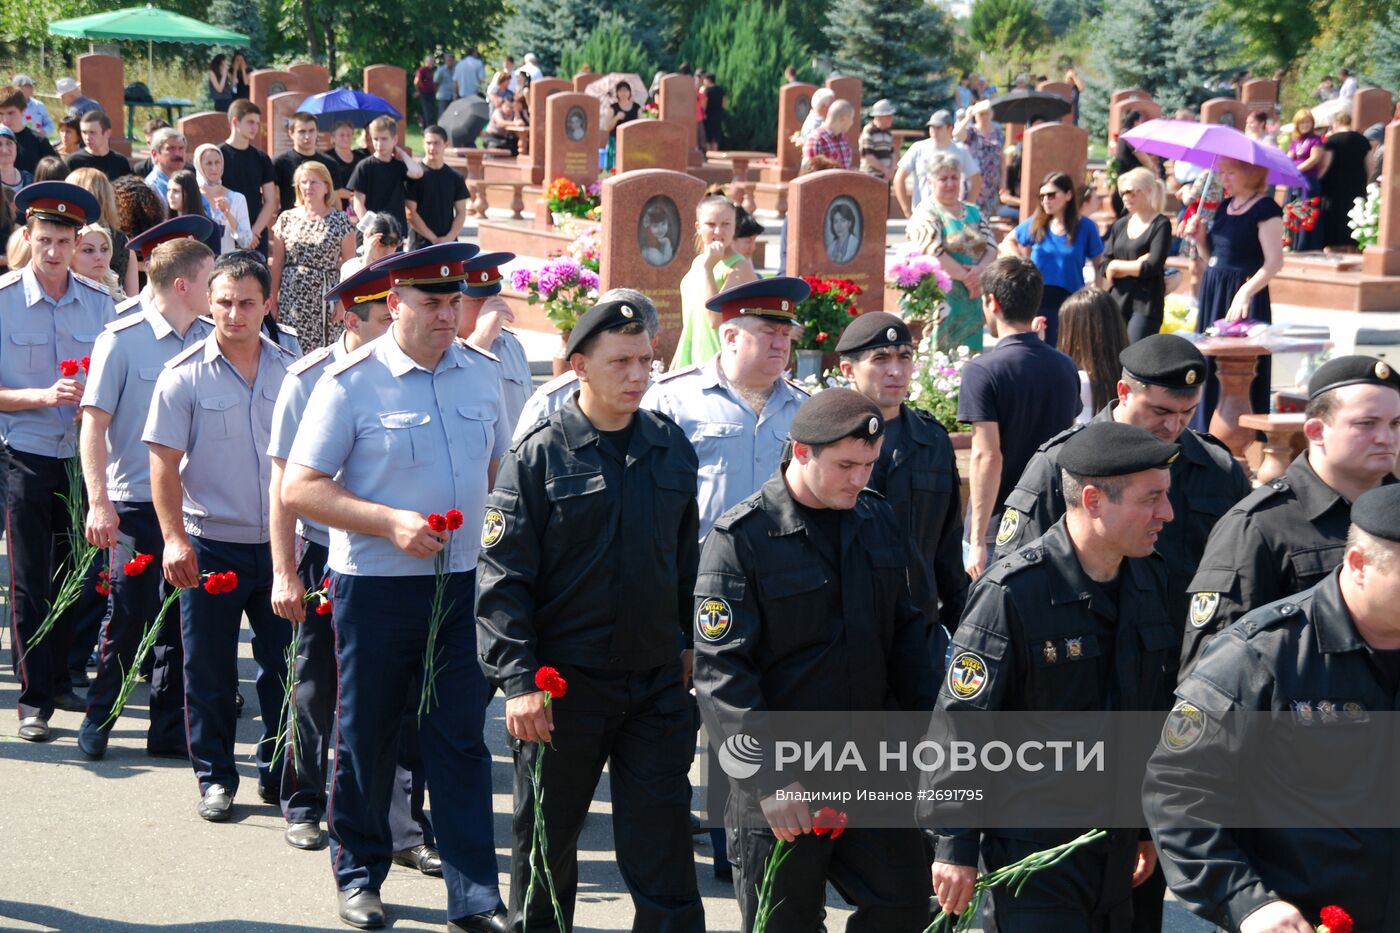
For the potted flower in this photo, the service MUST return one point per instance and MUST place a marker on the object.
(923, 285)
(651, 111)
(566, 199)
(566, 289)
(586, 248)
(823, 316)
(936, 384)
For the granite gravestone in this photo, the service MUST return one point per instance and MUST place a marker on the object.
(1384, 257)
(262, 84)
(648, 242)
(849, 89)
(102, 79)
(277, 118)
(1146, 106)
(311, 79)
(1060, 89)
(1260, 94)
(794, 103)
(836, 229)
(678, 101)
(1371, 105)
(1050, 147)
(208, 126)
(1225, 110)
(391, 83)
(651, 144)
(572, 140)
(540, 91)
(582, 81)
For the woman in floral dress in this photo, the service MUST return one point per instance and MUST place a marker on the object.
(309, 243)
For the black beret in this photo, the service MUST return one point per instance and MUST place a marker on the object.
(834, 414)
(876, 329)
(1350, 371)
(609, 315)
(1377, 512)
(1108, 448)
(1165, 360)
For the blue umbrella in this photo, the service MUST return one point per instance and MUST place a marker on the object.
(358, 107)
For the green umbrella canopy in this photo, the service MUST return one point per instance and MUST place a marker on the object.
(145, 24)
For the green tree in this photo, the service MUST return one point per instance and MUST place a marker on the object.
(610, 47)
(548, 27)
(245, 17)
(747, 45)
(1272, 32)
(1063, 15)
(1385, 69)
(1014, 26)
(898, 49)
(1172, 48)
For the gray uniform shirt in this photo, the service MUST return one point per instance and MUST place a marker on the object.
(286, 416)
(203, 406)
(127, 360)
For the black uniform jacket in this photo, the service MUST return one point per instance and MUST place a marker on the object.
(1301, 656)
(1279, 540)
(578, 571)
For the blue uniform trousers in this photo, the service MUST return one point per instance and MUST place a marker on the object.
(313, 709)
(135, 603)
(381, 628)
(209, 627)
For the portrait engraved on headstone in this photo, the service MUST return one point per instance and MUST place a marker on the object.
(575, 124)
(804, 107)
(659, 231)
(841, 230)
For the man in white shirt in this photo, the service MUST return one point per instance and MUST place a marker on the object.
(469, 74)
(1348, 90)
(940, 139)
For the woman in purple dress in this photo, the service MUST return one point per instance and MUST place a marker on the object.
(1243, 250)
(1306, 150)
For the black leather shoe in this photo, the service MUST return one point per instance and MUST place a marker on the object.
(70, 703)
(362, 908)
(79, 679)
(308, 836)
(177, 752)
(35, 729)
(269, 795)
(216, 804)
(92, 740)
(492, 922)
(420, 858)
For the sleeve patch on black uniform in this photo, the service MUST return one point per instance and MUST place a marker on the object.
(713, 618)
(1183, 728)
(493, 528)
(1203, 606)
(967, 676)
(1010, 521)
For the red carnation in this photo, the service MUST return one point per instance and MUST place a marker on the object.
(133, 568)
(829, 821)
(324, 609)
(822, 337)
(1336, 920)
(437, 522)
(104, 582)
(552, 682)
(68, 369)
(454, 519)
(86, 363)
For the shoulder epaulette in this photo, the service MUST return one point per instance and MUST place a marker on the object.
(684, 371)
(1002, 567)
(475, 349)
(125, 323)
(1268, 617)
(186, 354)
(208, 319)
(350, 359)
(10, 278)
(530, 432)
(126, 304)
(286, 328)
(738, 513)
(1210, 440)
(92, 284)
(794, 384)
(309, 360)
(1060, 438)
(559, 382)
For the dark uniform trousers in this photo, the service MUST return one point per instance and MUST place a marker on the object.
(135, 602)
(37, 526)
(209, 626)
(1086, 893)
(381, 631)
(641, 724)
(312, 714)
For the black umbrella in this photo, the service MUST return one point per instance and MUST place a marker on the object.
(1025, 106)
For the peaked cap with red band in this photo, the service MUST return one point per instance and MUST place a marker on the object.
(59, 202)
(191, 226)
(775, 299)
(438, 268)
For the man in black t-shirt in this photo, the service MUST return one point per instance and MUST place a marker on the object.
(248, 170)
(30, 145)
(378, 182)
(96, 129)
(302, 129)
(437, 202)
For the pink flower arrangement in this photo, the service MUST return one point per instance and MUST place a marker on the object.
(566, 287)
(922, 280)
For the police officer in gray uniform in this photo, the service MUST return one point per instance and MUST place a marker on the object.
(407, 426)
(736, 408)
(47, 315)
(1075, 621)
(553, 394)
(208, 430)
(1287, 535)
(484, 316)
(299, 551)
(803, 603)
(916, 472)
(1327, 661)
(589, 567)
(126, 361)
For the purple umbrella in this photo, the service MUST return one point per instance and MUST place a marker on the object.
(1204, 144)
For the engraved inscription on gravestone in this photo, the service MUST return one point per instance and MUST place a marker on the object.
(659, 231)
(841, 230)
(575, 124)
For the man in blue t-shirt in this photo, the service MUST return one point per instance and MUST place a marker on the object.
(1016, 396)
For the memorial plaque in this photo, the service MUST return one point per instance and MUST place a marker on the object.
(836, 229)
(1046, 148)
(647, 240)
(391, 83)
(651, 144)
(1260, 94)
(208, 126)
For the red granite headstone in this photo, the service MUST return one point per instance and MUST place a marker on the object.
(262, 84)
(540, 91)
(647, 242)
(582, 81)
(311, 79)
(572, 139)
(208, 126)
(1384, 257)
(391, 83)
(644, 144)
(1371, 105)
(1050, 147)
(102, 79)
(1061, 89)
(1225, 110)
(1146, 106)
(836, 228)
(794, 103)
(1260, 94)
(277, 118)
(678, 102)
(1126, 93)
(849, 89)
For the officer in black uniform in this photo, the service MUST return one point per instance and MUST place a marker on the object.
(1158, 391)
(1327, 658)
(803, 603)
(916, 472)
(588, 565)
(1289, 534)
(1074, 621)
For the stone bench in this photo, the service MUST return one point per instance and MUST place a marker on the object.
(471, 163)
